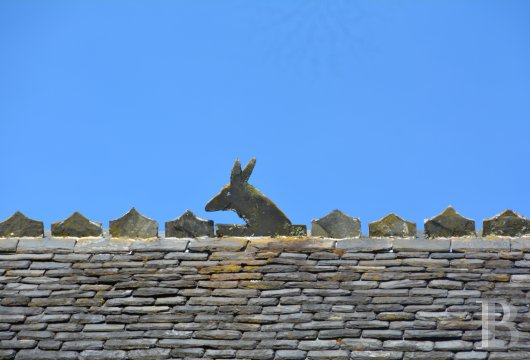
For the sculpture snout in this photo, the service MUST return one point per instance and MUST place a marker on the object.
(216, 204)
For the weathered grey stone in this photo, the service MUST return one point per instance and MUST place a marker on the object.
(57, 246)
(453, 345)
(259, 354)
(401, 284)
(339, 333)
(218, 334)
(471, 355)
(318, 345)
(144, 309)
(320, 325)
(261, 215)
(46, 355)
(129, 344)
(409, 245)
(103, 355)
(148, 354)
(512, 355)
(19, 225)
(188, 225)
(82, 345)
(220, 354)
(483, 245)
(432, 334)
(376, 355)
(392, 226)
(7, 354)
(133, 225)
(49, 345)
(329, 355)
(290, 355)
(439, 316)
(217, 244)
(407, 345)
(187, 352)
(217, 344)
(103, 327)
(17, 344)
(364, 245)
(507, 223)
(521, 244)
(77, 226)
(154, 291)
(336, 225)
(102, 246)
(449, 223)
(160, 245)
(430, 355)
(290, 244)
(8, 245)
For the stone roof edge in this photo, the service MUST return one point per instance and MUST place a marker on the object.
(121, 245)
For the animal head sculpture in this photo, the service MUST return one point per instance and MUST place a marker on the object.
(262, 216)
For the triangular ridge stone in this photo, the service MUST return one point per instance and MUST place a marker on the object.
(188, 225)
(392, 226)
(133, 225)
(19, 225)
(507, 223)
(449, 223)
(336, 225)
(77, 225)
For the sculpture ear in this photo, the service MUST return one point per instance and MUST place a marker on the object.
(235, 176)
(248, 170)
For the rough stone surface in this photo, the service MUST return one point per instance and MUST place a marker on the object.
(507, 223)
(261, 215)
(279, 298)
(392, 226)
(77, 226)
(188, 225)
(19, 225)
(449, 223)
(336, 225)
(133, 225)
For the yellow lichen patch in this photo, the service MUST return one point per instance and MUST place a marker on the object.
(248, 262)
(390, 316)
(261, 285)
(220, 269)
(499, 277)
(236, 276)
(339, 252)
(291, 244)
(89, 302)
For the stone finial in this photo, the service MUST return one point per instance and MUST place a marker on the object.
(262, 216)
(19, 225)
(507, 223)
(392, 226)
(133, 225)
(449, 223)
(189, 226)
(336, 225)
(77, 225)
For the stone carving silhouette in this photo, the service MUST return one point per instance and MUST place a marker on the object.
(449, 223)
(188, 225)
(262, 216)
(19, 225)
(77, 225)
(133, 225)
(336, 225)
(392, 226)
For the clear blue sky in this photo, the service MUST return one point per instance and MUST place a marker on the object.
(370, 107)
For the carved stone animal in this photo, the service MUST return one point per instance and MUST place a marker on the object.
(262, 216)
